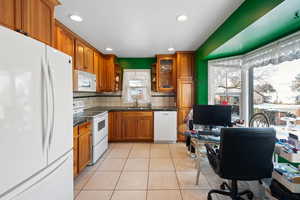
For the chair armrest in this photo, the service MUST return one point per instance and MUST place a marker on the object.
(213, 157)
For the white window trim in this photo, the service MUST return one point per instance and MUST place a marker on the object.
(285, 49)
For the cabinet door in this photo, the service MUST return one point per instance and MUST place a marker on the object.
(145, 128)
(88, 59)
(166, 73)
(102, 74)
(64, 41)
(79, 55)
(84, 145)
(96, 70)
(182, 113)
(185, 93)
(41, 20)
(7, 13)
(75, 151)
(129, 125)
(114, 126)
(109, 64)
(185, 65)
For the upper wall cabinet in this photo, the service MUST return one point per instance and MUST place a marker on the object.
(99, 71)
(64, 41)
(185, 64)
(88, 59)
(8, 13)
(79, 55)
(84, 57)
(30, 17)
(42, 20)
(110, 71)
(166, 73)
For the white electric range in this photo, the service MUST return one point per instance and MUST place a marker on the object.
(99, 124)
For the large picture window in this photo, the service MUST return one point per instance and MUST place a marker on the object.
(225, 88)
(276, 92)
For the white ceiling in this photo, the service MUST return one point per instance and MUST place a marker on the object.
(143, 28)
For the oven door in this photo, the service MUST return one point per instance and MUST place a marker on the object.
(100, 129)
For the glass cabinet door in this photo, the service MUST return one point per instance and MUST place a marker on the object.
(166, 74)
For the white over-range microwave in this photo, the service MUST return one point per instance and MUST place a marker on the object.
(84, 81)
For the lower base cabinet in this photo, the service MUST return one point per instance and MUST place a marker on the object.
(131, 126)
(75, 151)
(81, 147)
(182, 126)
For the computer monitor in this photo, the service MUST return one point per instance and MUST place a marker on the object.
(212, 115)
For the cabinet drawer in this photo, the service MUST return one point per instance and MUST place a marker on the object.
(138, 114)
(84, 128)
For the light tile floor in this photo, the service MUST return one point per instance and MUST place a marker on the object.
(143, 171)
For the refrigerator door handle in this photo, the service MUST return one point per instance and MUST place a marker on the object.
(46, 109)
(51, 78)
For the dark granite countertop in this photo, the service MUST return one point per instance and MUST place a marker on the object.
(118, 108)
(79, 120)
(84, 117)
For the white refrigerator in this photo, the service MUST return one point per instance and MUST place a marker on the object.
(36, 157)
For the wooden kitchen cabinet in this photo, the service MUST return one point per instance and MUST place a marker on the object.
(145, 128)
(42, 20)
(84, 145)
(131, 126)
(96, 70)
(88, 59)
(75, 151)
(64, 41)
(79, 55)
(185, 102)
(185, 64)
(84, 57)
(101, 74)
(99, 71)
(166, 73)
(137, 126)
(185, 93)
(115, 126)
(8, 13)
(34, 18)
(110, 71)
(185, 88)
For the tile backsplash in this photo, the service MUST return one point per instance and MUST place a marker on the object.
(116, 100)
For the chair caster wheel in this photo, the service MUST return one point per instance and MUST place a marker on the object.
(250, 196)
(222, 186)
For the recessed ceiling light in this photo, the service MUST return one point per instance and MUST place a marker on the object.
(75, 18)
(108, 49)
(182, 18)
(171, 49)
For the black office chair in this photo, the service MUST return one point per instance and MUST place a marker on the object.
(245, 154)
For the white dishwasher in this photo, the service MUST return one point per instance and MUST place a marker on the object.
(165, 126)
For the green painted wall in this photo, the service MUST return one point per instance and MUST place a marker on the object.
(277, 23)
(245, 15)
(136, 63)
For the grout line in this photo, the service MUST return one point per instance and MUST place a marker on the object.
(122, 170)
(92, 173)
(149, 160)
(179, 187)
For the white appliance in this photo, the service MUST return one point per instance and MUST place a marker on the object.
(85, 82)
(35, 120)
(99, 121)
(99, 136)
(165, 126)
